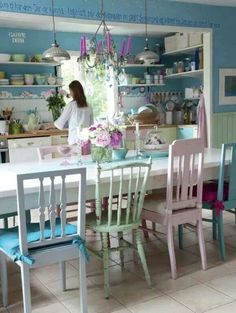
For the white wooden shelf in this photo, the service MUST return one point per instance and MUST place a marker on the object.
(184, 51)
(30, 86)
(141, 85)
(192, 99)
(185, 74)
(21, 98)
(31, 63)
(142, 66)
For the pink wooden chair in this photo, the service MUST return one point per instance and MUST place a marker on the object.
(49, 151)
(46, 151)
(180, 205)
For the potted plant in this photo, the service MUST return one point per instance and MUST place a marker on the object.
(56, 102)
(103, 138)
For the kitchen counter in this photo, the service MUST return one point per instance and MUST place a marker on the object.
(159, 126)
(57, 132)
(38, 133)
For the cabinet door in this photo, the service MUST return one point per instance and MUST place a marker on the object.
(168, 134)
(25, 150)
(185, 133)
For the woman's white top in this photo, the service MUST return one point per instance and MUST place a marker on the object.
(75, 117)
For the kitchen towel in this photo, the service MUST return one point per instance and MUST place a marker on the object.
(202, 121)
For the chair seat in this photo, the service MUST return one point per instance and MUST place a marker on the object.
(210, 190)
(9, 238)
(155, 203)
(91, 221)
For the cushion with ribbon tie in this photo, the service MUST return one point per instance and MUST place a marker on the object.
(9, 239)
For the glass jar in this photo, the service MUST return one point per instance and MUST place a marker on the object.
(175, 67)
(187, 64)
(180, 67)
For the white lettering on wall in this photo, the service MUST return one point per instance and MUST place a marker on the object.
(17, 37)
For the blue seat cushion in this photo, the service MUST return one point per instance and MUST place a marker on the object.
(9, 238)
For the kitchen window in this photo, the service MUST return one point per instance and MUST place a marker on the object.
(99, 90)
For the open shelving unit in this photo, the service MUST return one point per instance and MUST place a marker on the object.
(143, 65)
(187, 50)
(31, 63)
(185, 74)
(141, 85)
(21, 98)
(30, 86)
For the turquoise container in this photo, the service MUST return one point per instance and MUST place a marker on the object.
(119, 154)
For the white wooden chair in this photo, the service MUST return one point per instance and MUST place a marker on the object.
(50, 240)
(183, 202)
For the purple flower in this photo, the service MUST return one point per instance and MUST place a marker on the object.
(92, 128)
(116, 138)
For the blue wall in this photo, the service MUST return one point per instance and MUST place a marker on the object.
(162, 12)
(69, 41)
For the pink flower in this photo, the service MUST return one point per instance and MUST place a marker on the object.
(102, 139)
(62, 93)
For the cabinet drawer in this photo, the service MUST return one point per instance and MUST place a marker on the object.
(59, 140)
(29, 142)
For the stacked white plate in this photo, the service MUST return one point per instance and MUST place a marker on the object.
(17, 79)
(4, 57)
(4, 81)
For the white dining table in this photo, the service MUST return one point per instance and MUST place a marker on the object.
(157, 178)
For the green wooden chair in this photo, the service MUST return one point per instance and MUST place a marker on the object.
(130, 178)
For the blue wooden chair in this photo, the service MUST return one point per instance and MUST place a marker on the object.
(220, 196)
(51, 239)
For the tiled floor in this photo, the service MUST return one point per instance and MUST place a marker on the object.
(213, 291)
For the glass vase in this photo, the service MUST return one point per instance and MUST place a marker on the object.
(100, 154)
(56, 112)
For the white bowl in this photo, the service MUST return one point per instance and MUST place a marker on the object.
(143, 109)
(4, 57)
(52, 80)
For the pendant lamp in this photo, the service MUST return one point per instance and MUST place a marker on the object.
(55, 53)
(147, 56)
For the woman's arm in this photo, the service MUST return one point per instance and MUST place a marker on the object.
(64, 118)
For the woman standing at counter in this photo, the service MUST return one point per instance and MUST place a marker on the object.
(76, 114)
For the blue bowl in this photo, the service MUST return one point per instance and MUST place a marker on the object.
(119, 154)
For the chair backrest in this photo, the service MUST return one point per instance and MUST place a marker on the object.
(45, 191)
(130, 180)
(44, 152)
(49, 151)
(229, 174)
(185, 174)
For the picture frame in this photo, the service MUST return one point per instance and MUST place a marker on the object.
(227, 86)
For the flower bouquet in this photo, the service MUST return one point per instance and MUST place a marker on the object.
(103, 138)
(56, 102)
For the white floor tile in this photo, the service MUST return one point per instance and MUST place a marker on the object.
(160, 305)
(200, 298)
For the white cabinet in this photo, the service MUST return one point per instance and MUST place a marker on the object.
(59, 140)
(187, 132)
(25, 149)
(168, 134)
